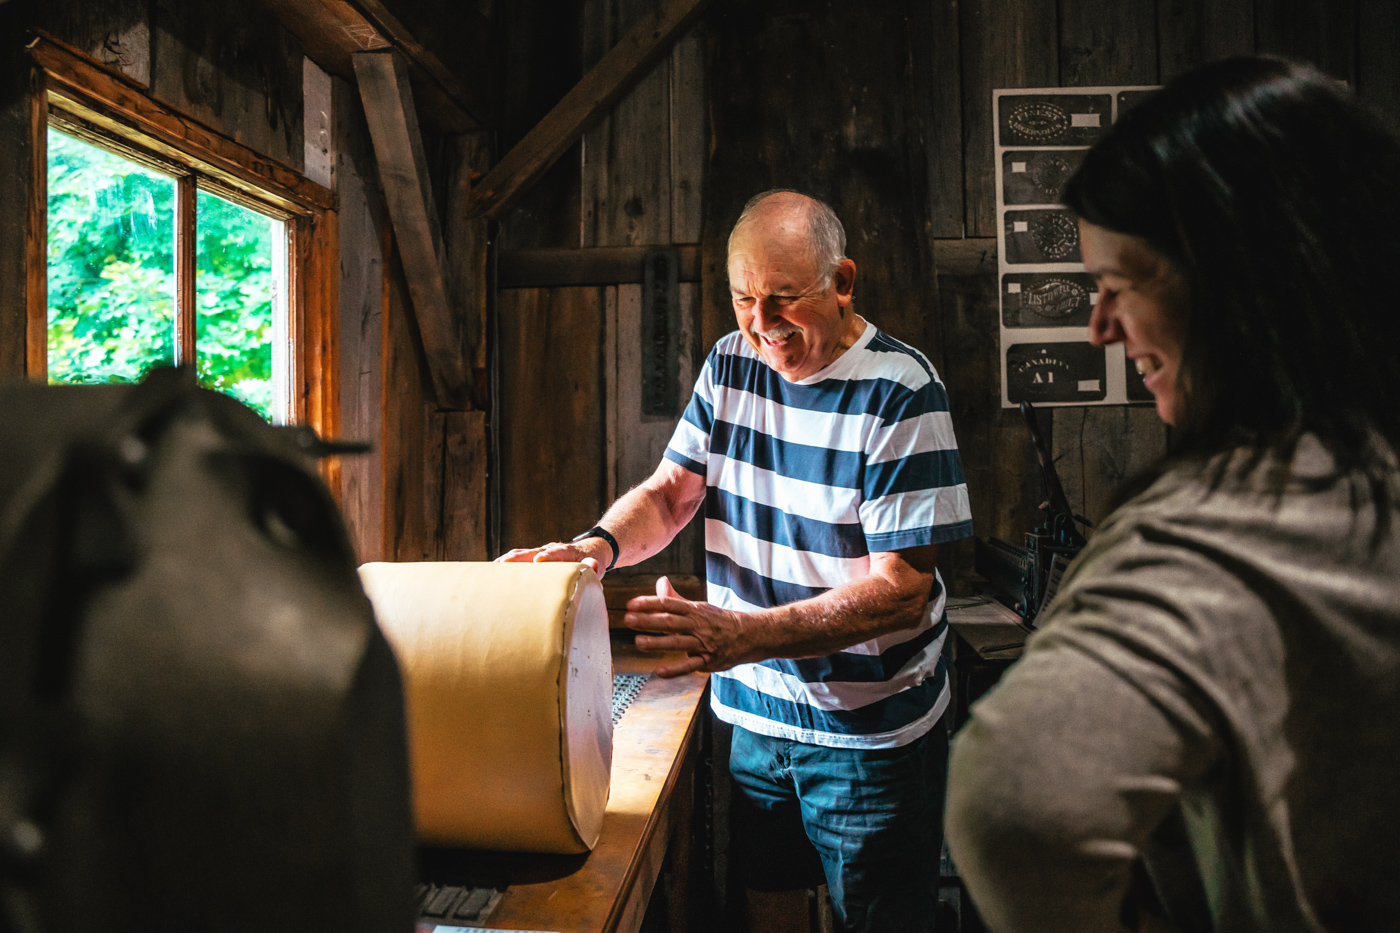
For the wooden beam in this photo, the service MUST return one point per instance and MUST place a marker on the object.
(476, 100)
(598, 265)
(629, 60)
(403, 171)
(118, 105)
(971, 256)
(332, 32)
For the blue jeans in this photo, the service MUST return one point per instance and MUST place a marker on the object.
(873, 816)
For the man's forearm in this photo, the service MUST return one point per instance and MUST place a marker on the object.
(839, 618)
(643, 524)
(892, 597)
(648, 516)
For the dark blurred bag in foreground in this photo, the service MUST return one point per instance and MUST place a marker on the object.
(200, 724)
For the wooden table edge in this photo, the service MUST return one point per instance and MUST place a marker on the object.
(627, 660)
(684, 754)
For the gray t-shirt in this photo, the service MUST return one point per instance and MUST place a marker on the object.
(1217, 688)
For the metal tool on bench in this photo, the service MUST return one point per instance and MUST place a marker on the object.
(1026, 578)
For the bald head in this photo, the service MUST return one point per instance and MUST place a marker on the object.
(795, 221)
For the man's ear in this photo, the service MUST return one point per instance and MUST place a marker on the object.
(843, 279)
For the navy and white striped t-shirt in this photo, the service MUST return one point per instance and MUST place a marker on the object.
(803, 481)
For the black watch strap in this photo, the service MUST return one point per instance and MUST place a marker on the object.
(598, 531)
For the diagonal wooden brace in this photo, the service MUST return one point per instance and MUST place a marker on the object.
(403, 171)
(604, 85)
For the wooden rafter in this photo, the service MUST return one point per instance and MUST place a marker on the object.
(403, 171)
(605, 84)
(333, 31)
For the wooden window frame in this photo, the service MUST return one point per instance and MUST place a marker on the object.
(79, 95)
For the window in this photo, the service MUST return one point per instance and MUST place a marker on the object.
(111, 259)
(114, 305)
(163, 242)
(240, 303)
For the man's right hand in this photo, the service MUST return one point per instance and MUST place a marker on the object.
(594, 552)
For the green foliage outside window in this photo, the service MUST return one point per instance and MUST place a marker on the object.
(111, 265)
(233, 333)
(112, 277)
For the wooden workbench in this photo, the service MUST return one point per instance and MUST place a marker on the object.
(988, 628)
(655, 748)
(987, 638)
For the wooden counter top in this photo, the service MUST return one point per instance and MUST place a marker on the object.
(654, 751)
(990, 629)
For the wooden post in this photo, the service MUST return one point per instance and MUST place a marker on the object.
(403, 171)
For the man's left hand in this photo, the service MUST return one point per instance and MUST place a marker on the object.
(713, 639)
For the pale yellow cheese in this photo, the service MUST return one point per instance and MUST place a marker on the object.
(508, 687)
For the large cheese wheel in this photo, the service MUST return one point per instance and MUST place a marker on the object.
(508, 685)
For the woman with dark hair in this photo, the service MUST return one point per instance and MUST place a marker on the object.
(1207, 727)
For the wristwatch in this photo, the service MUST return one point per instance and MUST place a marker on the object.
(597, 531)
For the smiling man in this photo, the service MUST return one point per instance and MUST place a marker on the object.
(823, 453)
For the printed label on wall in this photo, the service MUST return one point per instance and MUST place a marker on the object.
(1046, 296)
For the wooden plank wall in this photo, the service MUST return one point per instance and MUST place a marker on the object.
(637, 181)
(434, 462)
(552, 430)
(889, 117)
(228, 66)
(363, 222)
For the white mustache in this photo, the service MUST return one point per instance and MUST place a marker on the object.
(778, 334)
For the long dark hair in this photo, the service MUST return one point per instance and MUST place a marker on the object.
(1278, 197)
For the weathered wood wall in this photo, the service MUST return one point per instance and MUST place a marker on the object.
(887, 115)
(636, 180)
(885, 112)
(422, 493)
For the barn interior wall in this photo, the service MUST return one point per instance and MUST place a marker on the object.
(420, 494)
(572, 431)
(888, 117)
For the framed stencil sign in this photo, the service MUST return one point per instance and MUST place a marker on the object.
(1045, 294)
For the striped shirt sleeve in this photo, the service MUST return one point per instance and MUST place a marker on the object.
(690, 444)
(913, 489)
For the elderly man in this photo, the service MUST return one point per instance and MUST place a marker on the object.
(824, 454)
